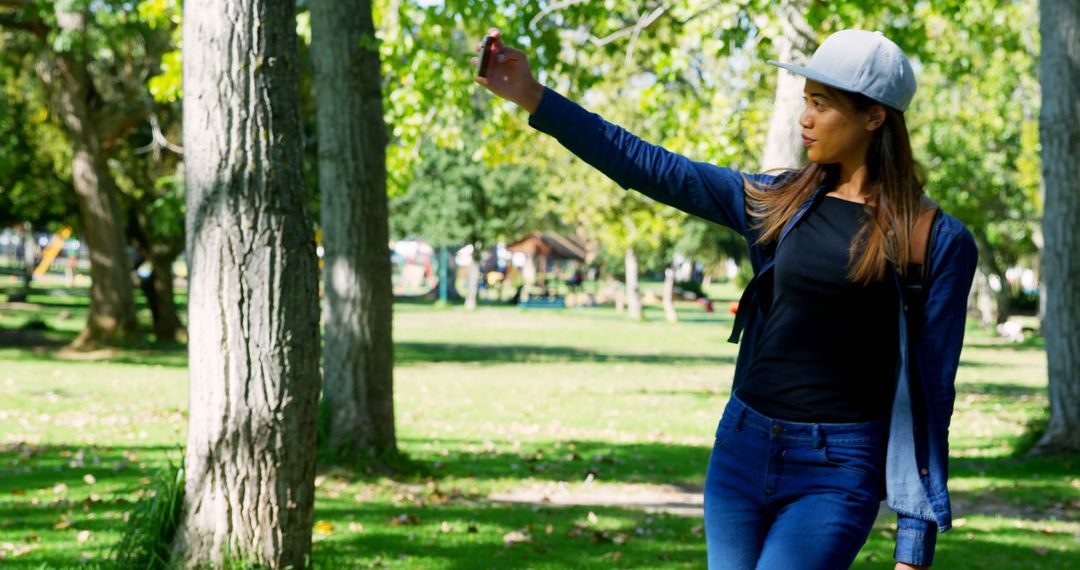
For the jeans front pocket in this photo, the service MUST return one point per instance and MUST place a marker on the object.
(723, 431)
(864, 457)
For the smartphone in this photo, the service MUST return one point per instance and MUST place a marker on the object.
(484, 56)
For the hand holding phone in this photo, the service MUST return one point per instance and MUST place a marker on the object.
(505, 72)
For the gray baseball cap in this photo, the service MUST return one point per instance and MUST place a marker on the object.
(862, 62)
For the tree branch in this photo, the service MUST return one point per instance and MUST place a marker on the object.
(554, 7)
(114, 121)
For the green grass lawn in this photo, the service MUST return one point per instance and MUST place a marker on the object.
(490, 402)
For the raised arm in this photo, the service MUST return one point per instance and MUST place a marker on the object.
(712, 192)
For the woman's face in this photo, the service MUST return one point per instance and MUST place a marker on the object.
(833, 130)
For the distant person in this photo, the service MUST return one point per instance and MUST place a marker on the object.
(575, 280)
(843, 386)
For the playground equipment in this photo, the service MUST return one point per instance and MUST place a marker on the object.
(56, 245)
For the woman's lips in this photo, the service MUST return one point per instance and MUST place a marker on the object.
(807, 141)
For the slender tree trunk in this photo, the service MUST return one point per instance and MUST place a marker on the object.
(528, 274)
(1059, 131)
(783, 147)
(112, 298)
(358, 351)
(633, 299)
(474, 281)
(253, 311)
(166, 321)
(985, 300)
(669, 296)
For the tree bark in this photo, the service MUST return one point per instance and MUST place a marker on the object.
(358, 354)
(253, 311)
(1059, 131)
(633, 299)
(783, 145)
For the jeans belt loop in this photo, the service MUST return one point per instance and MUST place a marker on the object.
(816, 434)
(739, 418)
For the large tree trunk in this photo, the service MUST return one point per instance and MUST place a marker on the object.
(1059, 131)
(358, 355)
(112, 300)
(783, 145)
(633, 299)
(253, 310)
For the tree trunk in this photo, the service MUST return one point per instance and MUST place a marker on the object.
(253, 310)
(528, 274)
(358, 351)
(783, 145)
(112, 300)
(161, 252)
(669, 296)
(1059, 131)
(112, 297)
(474, 282)
(166, 321)
(633, 300)
(985, 300)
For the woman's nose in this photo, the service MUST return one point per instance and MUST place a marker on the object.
(804, 120)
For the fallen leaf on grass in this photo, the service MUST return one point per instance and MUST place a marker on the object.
(445, 527)
(403, 519)
(515, 536)
(18, 492)
(83, 536)
(356, 527)
(89, 479)
(324, 527)
(59, 488)
(11, 550)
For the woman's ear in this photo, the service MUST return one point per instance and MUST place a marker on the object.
(875, 117)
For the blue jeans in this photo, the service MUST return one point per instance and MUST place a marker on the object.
(783, 495)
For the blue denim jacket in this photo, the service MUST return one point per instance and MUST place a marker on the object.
(931, 332)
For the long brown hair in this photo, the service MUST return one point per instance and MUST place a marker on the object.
(895, 184)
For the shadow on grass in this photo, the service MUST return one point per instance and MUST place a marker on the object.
(641, 540)
(419, 352)
(1005, 391)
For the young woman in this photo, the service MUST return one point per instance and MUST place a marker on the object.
(852, 325)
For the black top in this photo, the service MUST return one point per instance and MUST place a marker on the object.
(829, 348)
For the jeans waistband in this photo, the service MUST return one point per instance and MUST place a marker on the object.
(747, 418)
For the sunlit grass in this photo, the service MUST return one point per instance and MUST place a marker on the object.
(492, 401)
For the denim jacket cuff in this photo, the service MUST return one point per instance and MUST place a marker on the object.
(551, 113)
(915, 541)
